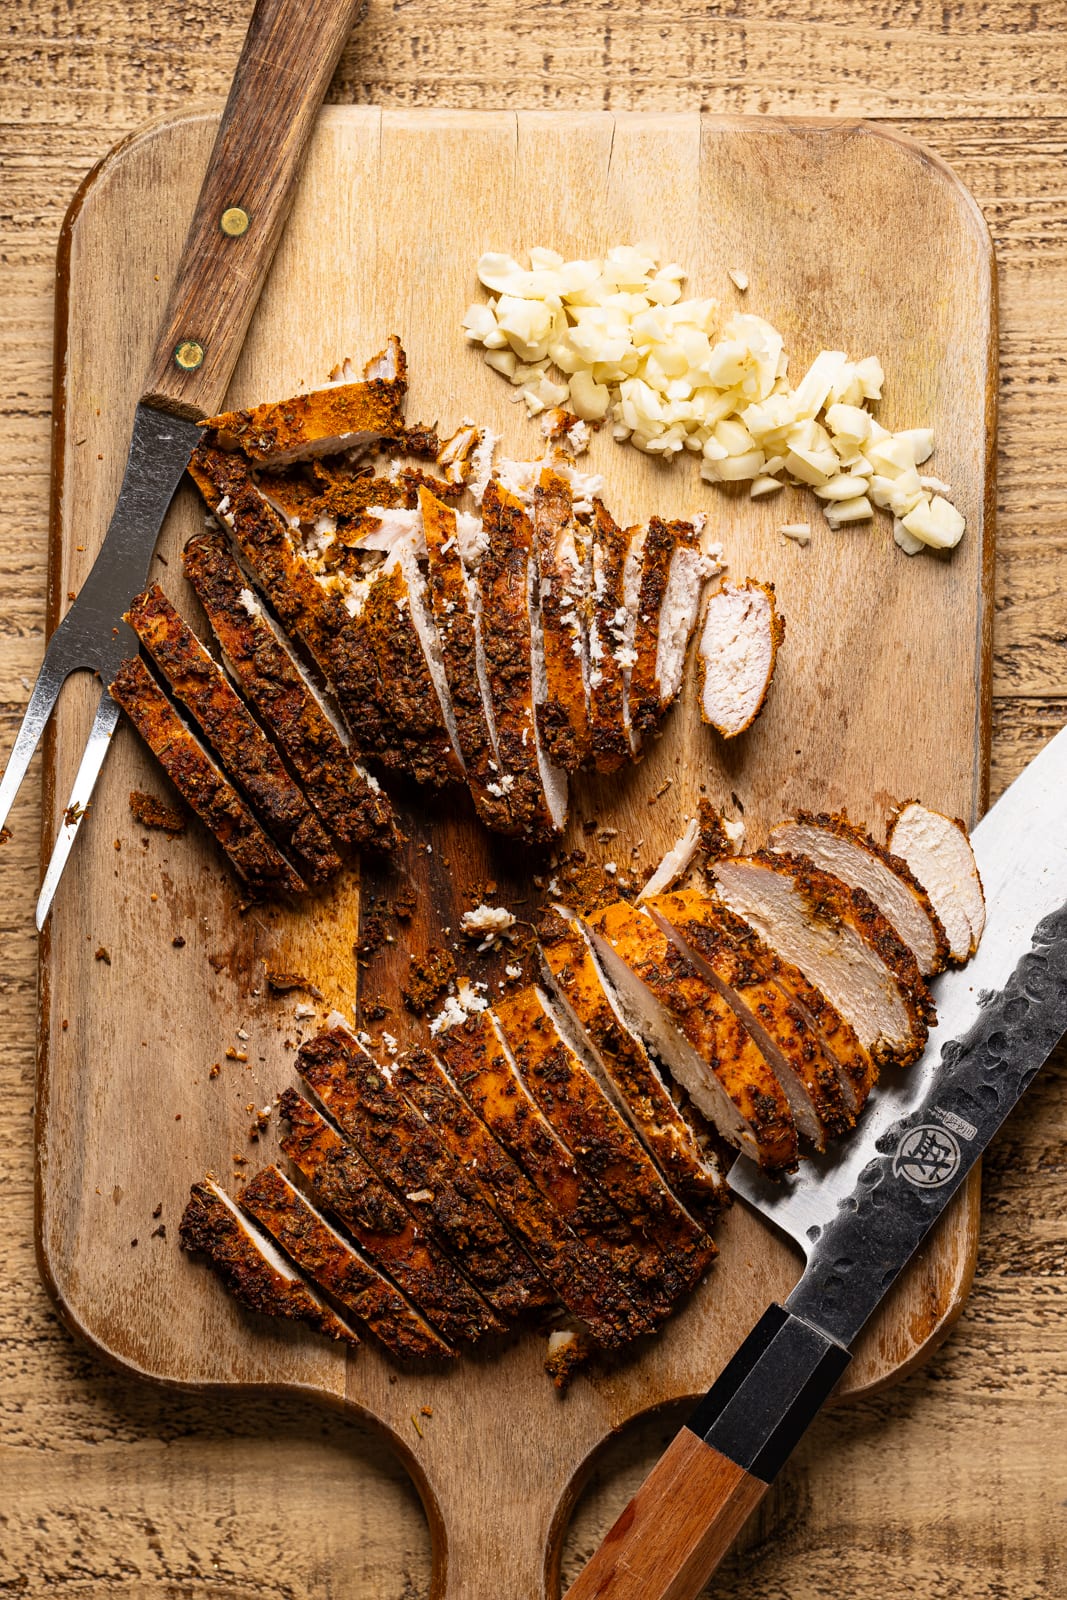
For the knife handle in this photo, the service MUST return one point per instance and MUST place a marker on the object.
(287, 61)
(687, 1513)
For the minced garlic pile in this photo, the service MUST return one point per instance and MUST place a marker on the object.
(671, 375)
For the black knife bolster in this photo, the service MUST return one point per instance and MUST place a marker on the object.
(769, 1393)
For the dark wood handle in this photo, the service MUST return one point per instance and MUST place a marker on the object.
(676, 1529)
(287, 61)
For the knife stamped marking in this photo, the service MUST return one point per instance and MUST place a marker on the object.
(927, 1156)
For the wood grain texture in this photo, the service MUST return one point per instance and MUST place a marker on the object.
(286, 64)
(947, 1485)
(837, 731)
(676, 1529)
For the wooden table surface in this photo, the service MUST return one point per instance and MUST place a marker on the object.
(953, 1484)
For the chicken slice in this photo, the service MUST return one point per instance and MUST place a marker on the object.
(579, 1277)
(418, 734)
(609, 731)
(202, 783)
(786, 1036)
(343, 1182)
(243, 749)
(602, 1144)
(838, 846)
(677, 1141)
(697, 1034)
(255, 1272)
(562, 715)
(453, 601)
(937, 850)
(341, 416)
(840, 941)
(365, 1104)
(478, 1065)
(536, 790)
(337, 1267)
(347, 798)
(673, 573)
(311, 612)
(738, 654)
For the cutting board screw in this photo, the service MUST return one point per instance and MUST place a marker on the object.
(189, 355)
(234, 222)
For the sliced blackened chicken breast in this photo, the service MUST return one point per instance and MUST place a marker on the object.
(677, 1140)
(247, 755)
(480, 1068)
(693, 1029)
(536, 790)
(738, 654)
(938, 852)
(841, 943)
(337, 1267)
(255, 1272)
(838, 846)
(786, 1036)
(609, 731)
(312, 613)
(562, 713)
(343, 1182)
(578, 1275)
(346, 797)
(601, 1143)
(341, 416)
(202, 783)
(407, 1154)
(455, 605)
(673, 572)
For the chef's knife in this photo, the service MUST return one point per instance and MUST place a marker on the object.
(860, 1217)
(287, 61)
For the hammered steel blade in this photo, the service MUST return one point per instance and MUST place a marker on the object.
(92, 637)
(104, 724)
(1021, 849)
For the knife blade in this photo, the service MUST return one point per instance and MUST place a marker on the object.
(288, 58)
(861, 1219)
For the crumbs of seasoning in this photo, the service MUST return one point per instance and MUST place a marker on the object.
(158, 1212)
(160, 1232)
(66, 1024)
(414, 1418)
(177, 1116)
(152, 812)
(118, 844)
(373, 935)
(427, 980)
(133, 1244)
(405, 902)
(215, 1070)
(427, 1411)
(178, 942)
(377, 1012)
(661, 791)
(74, 813)
(287, 982)
(235, 1055)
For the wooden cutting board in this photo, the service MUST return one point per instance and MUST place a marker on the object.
(851, 237)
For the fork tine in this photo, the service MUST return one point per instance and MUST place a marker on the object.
(50, 680)
(96, 748)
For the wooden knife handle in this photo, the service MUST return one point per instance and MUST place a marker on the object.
(288, 59)
(687, 1513)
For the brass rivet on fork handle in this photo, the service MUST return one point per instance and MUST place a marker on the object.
(189, 355)
(234, 221)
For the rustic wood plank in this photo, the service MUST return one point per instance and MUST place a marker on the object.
(940, 1486)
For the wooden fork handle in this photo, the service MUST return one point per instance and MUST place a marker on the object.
(287, 61)
(687, 1513)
